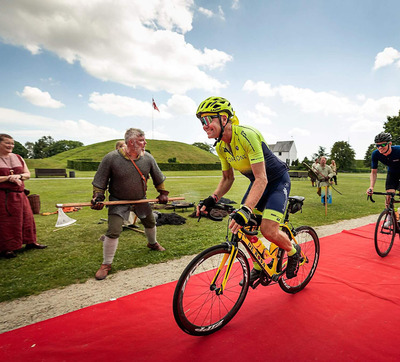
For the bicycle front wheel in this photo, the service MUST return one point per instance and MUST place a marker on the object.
(200, 308)
(308, 240)
(385, 231)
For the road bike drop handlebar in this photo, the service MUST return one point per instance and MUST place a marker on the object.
(391, 194)
(252, 224)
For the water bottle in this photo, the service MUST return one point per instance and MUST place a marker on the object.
(257, 243)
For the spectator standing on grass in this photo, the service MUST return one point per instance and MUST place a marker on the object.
(119, 145)
(17, 224)
(312, 177)
(324, 173)
(124, 172)
(334, 169)
(390, 156)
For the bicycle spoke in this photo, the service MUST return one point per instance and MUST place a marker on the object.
(384, 233)
(201, 309)
(309, 244)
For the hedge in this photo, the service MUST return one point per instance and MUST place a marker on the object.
(189, 166)
(81, 165)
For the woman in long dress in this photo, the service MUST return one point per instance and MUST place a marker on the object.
(17, 224)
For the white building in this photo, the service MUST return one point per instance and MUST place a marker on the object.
(285, 150)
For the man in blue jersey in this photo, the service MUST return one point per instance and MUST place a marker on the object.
(243, 148)
(390, 156)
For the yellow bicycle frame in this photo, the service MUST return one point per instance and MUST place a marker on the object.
(260, 258)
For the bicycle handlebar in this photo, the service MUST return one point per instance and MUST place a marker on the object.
(225, 207)
(392, 194)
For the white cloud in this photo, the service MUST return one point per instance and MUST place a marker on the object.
(39, 98)
(301, 132)
(221, 13)
(119, 105)
(208, 13)
(263, 89)
(181, 105)
(135, 43)
(235, 4)
(23, 126)
(265, 110)
(122, 106)
(326, 103)
(387, 57)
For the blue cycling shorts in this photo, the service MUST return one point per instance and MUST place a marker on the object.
(274, 200)
(392, 181)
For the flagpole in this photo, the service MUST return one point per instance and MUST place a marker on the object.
(152, 123)
(154, 107)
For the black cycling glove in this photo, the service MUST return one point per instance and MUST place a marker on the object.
(242, 216)
(209, 203)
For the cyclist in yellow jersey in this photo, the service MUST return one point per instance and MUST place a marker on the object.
(243, 148)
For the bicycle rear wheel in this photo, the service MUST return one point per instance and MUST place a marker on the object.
(385, 231)
(308, 240)
(199, 309)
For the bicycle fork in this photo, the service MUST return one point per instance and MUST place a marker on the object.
(231, 257)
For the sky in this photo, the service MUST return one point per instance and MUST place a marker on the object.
(315, 72)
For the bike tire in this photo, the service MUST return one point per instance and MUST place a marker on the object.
(384, 236)
(308, 240)
(198, 309)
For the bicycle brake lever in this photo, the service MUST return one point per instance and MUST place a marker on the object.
(369, 197)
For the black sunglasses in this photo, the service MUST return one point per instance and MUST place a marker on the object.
(381, 145)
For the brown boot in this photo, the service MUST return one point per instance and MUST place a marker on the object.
(156, 247)
(103, 271)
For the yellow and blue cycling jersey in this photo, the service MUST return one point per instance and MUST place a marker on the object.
(246, 148)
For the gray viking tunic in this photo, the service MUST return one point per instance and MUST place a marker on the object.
(124, 182)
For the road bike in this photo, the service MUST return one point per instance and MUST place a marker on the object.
(214, 285)
(387, 225)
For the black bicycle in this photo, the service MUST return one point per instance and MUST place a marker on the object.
(387, 225)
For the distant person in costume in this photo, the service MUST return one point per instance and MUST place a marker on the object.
(17, 224)
(324, 173)
(314, 181)
(334, 169)
(119, 145)
(124, 172)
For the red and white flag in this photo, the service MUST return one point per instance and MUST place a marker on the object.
(155, 105)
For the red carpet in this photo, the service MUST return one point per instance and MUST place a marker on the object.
(349, 312)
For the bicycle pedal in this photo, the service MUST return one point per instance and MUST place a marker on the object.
(255, 284)
(276, 277)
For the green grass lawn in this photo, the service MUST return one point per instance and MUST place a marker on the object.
(75, 253)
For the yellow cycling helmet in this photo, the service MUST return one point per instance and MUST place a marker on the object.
(215, 105)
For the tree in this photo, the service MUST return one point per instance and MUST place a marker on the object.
(19, 149)
(392, 125)
(29, 147)
(41, 145)
(62, 146)
(343, 155)
(204, 146)
(321, 152)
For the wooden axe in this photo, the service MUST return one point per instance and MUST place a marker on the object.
(119, 202)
